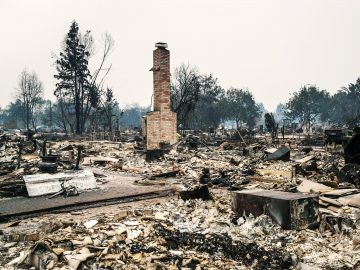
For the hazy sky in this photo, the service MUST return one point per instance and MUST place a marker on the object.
(271, 47)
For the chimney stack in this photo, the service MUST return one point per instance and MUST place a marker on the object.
(161, 77)
(159, 126)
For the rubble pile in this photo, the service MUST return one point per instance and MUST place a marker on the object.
(230, 164)
(177, 234)
(195, 229)
(16, 157)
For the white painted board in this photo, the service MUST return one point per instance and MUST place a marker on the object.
(44, 184)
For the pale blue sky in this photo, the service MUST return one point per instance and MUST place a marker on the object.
(270, 46)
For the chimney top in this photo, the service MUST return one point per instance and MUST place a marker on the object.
(161, 45)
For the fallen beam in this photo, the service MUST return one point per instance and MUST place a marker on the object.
(164, 175)
(272, 172)
(265, 179)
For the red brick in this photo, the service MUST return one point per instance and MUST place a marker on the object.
(160, 125)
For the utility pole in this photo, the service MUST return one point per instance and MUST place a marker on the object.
(51, 115)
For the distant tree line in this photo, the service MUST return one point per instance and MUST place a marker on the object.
(201, 103)
(27, 111)
(83, 104)
(311, 105)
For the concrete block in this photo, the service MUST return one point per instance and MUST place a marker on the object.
(282, 153)
(290, 210)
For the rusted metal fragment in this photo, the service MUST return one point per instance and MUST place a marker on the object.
(49, 163)
(22, 237)
(290, 210)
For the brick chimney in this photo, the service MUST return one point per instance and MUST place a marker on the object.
(159, 127)
(161, 77)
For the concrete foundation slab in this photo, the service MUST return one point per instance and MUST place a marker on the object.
(120, 189)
